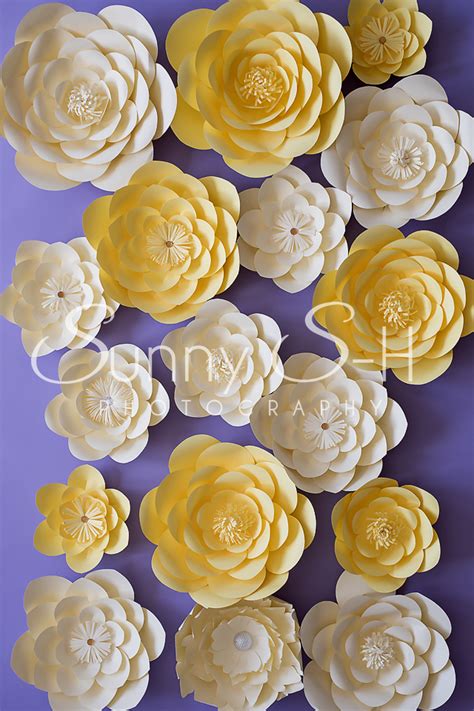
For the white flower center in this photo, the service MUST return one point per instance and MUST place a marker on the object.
(377, 651)
(325, 429)
(90, 642)
(84, 519)
(381, 39)
(243, 641)
(402, 159)
(86, 103)
(233, 524)
(397, 308)
(61, 294)
(383, 530)
(220, 365)
(294, 231)
(108, 401)
(261, 85)
(169, 243)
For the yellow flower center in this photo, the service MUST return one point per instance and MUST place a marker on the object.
(401, 160)
(233, 524)
(397, 308)
(381, 39)
(261, 85)
(90, 642)
(108, 401)
(377, 651)
(169, 243)
(383, 531)
(86, 103)
(84, 519)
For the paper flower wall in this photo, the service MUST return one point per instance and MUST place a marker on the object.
(387, 38)
(56, 296)
(227, 522)
(243, 658)
(402, 153)
(107, 402)
(384, 532)
(81, 96)
(223, 362)
(166, 243)
(291, 229)
(259, 81)
(89, 644)
(83, 519)
(330, 426)
(371, 651)
(410, 305)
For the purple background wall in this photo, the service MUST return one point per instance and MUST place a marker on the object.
(437, 452)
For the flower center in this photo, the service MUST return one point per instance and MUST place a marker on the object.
(220, 365)
(383, 531)
(294, 231)
(169, 243)
(325, 429)
(397, 308)
(90, 642)
(84, 519)
(401, 160)
(108, 401)
(261, 85)
(86, 103)
(381, 39)
(61, 294)
(233, 524)
(243, 641)
(377, 651)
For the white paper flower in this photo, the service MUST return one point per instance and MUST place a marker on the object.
(330, 426)
(107, 403)
(292, 230)
(372, 651)
(89, 644)
(223, 361)
(56, 296)
(402, 153)
(240, 658)
(83, 97)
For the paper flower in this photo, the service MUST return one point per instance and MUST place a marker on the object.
(243, 658)
(227, 521)
(166, 243)
(402, 153)
(400, 303)
(89, 644)
(387, 38)
(259, 81)
(83, 519)
(81, 96)
(107, 402)
(330, 426)
(369, 651)
(291, 229)
(384, 532)
(56, 296)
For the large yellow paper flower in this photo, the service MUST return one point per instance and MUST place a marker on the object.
(227, 521)
(400, 303)
(84, 520)
(384, 532)
(166, 243)
(387, 38)
(259, 81)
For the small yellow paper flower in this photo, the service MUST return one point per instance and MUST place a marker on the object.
(400, 303)
(259, 81)
(387, 38)
(227, 521)
(166, 243)
(84, 520)
(384, 532)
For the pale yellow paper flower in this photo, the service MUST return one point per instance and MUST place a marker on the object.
(166, 243)
(259, 81)
(83, 519)
(409, 304)
(89, 644)
(227, 522)
(384, 532)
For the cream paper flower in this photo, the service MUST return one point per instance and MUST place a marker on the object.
(89, 644)
(223, 361)
(371, 651)
(330, 426)
(241, 658)
(81, 96)
(56, 295)
(402, 153)
(107, 402)
(291, 229)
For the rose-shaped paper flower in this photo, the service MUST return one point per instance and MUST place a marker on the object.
(330, 426)
(81, 96)
(56, 296)
(166, 243)
(384, 532)
(107, 402)
(374, 652)
(243, 658)
(83, 520)
(89, 644)
(291, 229)
(223, 362)
(387, 38)
(402, 154)
(227, 521)
(259, 81)
(402, 303)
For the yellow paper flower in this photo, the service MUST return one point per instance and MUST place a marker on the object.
(166, 243)
(387, 38)
(259, 81)
(400, 303)
(384, 532)
(227, 521)
(83, 519)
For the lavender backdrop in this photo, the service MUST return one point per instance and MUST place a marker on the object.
(437, 452)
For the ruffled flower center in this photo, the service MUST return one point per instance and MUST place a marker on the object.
(261, 86)
(377, 651)
(233, 525)
(220, 365)
(401, 160)
(383, 530)
(243, 641)
(397, 308)
(86, 103)
(325, 429)
(61, 294)
(169, 243)
(108, 401)
(294, 231)
(90, 642)
(381, 39)
(84, 519)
